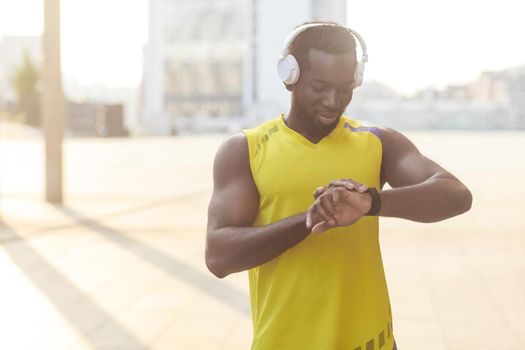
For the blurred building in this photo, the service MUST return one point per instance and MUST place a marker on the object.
(496, 100)
(211, 64)
(501, 86)
(95, 120)
(12, 50)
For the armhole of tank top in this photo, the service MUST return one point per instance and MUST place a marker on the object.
(377, 136)
(250, 138)
(380, 156)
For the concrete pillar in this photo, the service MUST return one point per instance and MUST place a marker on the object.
(52, 102)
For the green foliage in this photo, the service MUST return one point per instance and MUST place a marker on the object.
(25, 82)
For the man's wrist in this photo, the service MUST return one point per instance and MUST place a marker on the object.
(376, 202)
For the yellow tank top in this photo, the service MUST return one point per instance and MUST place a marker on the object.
(328, 291)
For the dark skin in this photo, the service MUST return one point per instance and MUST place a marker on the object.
(421, 190)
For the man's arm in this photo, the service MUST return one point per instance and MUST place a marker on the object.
(232, 244)
(421, 189)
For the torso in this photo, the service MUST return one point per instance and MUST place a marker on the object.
(329, 291)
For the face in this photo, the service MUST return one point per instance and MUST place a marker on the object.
(324, 89)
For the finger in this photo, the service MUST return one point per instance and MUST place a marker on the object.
(328, 205)
(362, 188)
(354, 185)
(336, 197)
(339, 201)
(321, 211)
(320, 227)
(348, 184)
(327, 201)
(319, 191)
(341, 183)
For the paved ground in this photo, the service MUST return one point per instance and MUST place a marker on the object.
(120, 264)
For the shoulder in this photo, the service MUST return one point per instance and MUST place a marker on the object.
(394, 141)
(231, 160)
(270, 125)
(364, 126)
(232, 149)
(403, 163)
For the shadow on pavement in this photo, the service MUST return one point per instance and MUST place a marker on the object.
(231, 296)
(69, 300)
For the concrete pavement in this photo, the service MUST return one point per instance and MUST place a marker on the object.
(120, 264)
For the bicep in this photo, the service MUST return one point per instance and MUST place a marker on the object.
(403, 164)
(235, 199)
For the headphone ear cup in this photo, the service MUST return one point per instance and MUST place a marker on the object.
(288, 69)
(358, 75)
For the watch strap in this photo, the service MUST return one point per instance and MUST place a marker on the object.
(376, 202)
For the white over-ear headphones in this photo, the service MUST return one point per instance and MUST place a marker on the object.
(288, 67)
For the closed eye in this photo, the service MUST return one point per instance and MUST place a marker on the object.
(318, 88)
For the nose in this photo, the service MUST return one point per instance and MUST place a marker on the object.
(330, 99)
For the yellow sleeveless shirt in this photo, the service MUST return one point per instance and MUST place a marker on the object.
(328, 291)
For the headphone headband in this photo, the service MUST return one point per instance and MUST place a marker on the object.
(298, 30)
(288, 67)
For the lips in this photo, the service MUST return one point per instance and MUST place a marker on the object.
(328, 119)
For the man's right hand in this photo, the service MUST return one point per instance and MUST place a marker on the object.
(341, 203)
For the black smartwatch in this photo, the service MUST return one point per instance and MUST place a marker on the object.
(376, 202)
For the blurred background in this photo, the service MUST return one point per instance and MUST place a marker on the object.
(106, 152)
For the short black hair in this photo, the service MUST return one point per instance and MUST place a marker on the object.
(330, 38)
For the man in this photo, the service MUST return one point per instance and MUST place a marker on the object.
(315, 269)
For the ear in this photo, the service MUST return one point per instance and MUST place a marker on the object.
(288, 87)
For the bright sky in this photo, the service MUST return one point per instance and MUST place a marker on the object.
(411, 43)
(102, 40)
(419, 43)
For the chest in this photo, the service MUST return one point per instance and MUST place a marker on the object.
(287, 171)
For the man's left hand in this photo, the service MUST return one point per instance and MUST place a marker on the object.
(337, 205)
